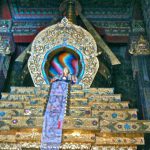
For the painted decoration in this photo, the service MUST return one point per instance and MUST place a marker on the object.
(60, 61)
(54, 115)
(69, 36)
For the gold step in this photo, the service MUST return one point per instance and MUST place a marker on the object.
(78, 137)
(19, 146)
(81, 123)
(76, 146)
(80, 111)
(104, 98)
(8, 138)
(66, 146)
(126, 114)
(11, 104)
(34, 111)
(25, 122)
(22, 90)
(78, 102)
(25, 136)
(4, 125)
(133, 126)
(30, 111)
(100, 91)
(76, 87)
(19, 97)
(16, 97)
(8, 113)
(109, 105)
(34, 90)
(29, 90)
(114, 147)
(119, 140)
(76, 94)
(36, 101)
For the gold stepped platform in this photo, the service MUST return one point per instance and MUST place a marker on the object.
(96, 118)
(102, 120)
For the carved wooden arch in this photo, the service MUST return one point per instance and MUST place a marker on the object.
(63, 34)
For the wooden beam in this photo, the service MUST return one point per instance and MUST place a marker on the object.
(100, 43)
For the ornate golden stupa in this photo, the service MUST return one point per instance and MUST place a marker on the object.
(95, 118)
(62, 115)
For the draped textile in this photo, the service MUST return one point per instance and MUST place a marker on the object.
(54, 115)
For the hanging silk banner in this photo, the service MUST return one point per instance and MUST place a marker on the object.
(54, 116)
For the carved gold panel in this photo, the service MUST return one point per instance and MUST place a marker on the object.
(64, 34)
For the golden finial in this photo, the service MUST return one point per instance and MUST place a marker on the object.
(70, 12)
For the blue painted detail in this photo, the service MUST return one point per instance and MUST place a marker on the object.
(114, 115)
(34, 102)
(2, 113)
(127, 126)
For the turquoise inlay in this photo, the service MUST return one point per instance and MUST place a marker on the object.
(127, 126)
(2, 114)
(33, 102)
(114, 115)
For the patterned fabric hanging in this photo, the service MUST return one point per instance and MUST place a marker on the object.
(54, 116)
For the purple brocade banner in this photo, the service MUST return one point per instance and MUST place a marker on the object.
(54, 116)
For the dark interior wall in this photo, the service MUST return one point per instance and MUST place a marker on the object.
(146, 11)
(122, 76)
(123, 80)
